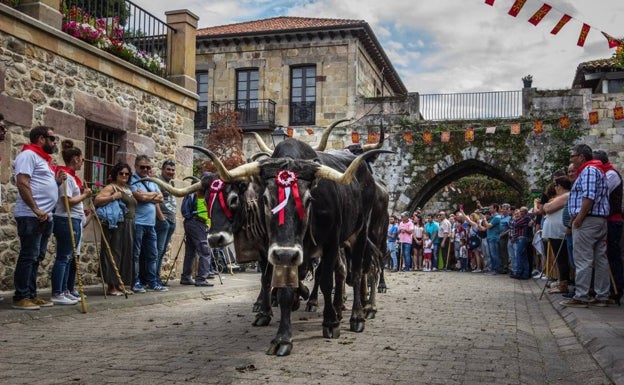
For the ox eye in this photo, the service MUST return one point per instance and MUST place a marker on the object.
(233, 201)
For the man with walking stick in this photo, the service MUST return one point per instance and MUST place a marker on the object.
(165, 215)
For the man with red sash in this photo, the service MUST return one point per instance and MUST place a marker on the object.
(588, 206)
(37, 183)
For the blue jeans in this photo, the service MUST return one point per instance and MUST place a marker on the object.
(145, 255)
(521, 267)
(64, 251)
(570, 249)
(393, 254)
(436, 251)
(164, 231)
(406, 253)
(34, 236)
(493, 249)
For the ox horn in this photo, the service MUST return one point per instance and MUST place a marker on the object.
(178, 192)
(240, 172)
(374, 146)
(261, 143)
(257, 155)
(346, 177)
(325, 136)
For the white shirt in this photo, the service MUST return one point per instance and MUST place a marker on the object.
(77, 210)
(42, 183)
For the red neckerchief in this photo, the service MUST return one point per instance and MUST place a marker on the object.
(216, 190)
(72, 172)
(39, 151)
(594, 163)
(287, 181)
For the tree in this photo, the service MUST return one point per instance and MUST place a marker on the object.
(225, 139)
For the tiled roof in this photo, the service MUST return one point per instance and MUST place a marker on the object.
(280, 23)
(598, 64)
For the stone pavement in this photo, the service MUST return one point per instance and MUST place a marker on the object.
(431, 328)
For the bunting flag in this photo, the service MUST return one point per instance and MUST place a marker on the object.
(618, 113)
(563, 21)
(583, 35)
(469, 134)
(489, 2)
(564, 122)
(309, 131)
(490, 130)
(516, 7)
(613, 42)
(446, 136)
(538, 127)
(407, 137)
(514, 129)
(427, 137)
(290, 131)
(355, 137)
(370, 138)
(539, 15)
(593, 118)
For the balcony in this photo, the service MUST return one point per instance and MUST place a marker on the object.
(254, 115)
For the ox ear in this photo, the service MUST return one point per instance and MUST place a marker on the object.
(241, 172)
(178, 192)
(346, 177)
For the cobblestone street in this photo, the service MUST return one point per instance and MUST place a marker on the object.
(431, 328)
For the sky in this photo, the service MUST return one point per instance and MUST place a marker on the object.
(448, 46)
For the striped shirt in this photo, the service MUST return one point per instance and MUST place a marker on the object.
(591, 184)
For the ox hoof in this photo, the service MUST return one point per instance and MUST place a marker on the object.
(256, 307)
(262, 320)
(381, 289)
(331, 332)
(357, 326)
(279, 349)
(311, 307)
(370, 313)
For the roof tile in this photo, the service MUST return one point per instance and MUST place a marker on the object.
(275, 24)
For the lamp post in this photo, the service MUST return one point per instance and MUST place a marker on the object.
(278, 135)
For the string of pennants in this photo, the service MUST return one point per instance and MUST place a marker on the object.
(544, 10)
(469, 133)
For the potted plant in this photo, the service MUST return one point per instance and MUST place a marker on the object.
(527, 81)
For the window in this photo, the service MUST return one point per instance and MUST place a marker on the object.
(101, 146)
(302, 95)
(201, 116)
(247, 82)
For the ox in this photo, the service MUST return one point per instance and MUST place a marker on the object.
(322, 216)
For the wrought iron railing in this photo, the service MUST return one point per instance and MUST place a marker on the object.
(121, 28)
(475, 105)
(252, 113)
(302, 113)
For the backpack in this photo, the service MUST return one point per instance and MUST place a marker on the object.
(474, 240)
(189, 206)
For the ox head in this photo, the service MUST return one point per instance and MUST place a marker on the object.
(286, 186)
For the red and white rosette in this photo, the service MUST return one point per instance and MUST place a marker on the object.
(216, 190)
(286, 182)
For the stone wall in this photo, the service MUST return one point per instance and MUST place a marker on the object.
(49, 78)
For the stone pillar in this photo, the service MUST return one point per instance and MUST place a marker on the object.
(181, 49)
(46, 11)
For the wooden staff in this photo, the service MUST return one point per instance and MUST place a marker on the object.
(109, 252)
(99, 253)
(83, 300)
(175, 259)
(555, 261)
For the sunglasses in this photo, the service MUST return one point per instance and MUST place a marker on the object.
(145, 167)
(123, 173)
(168, 163)
(52, 138)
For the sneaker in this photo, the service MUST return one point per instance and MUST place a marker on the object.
(76, 294)
(600, 302)
(536, 274)
(41, 302)
(70, 296)
(476, 271)
(25, 304)
(60, 299)
(158, 287)
(187, 281)
(435, 269)
(203, 283)
(138, 288)
(573, 302)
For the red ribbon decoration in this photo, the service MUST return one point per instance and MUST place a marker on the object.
(216, 190)
(286, 182)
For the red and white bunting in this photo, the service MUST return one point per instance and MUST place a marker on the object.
(583, 35)
(593, 118)
(516, 7)
(563, 21)
(618, 113)
(539, 15)
(514, 129)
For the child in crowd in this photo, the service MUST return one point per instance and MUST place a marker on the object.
(427, 252)
(463, 254)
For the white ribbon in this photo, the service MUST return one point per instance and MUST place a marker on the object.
(283, 203)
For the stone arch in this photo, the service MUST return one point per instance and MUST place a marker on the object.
(457, 171)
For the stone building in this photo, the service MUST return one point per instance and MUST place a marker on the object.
(302, 73)
(110, 108)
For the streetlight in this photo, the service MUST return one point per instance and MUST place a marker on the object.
(278, 135)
